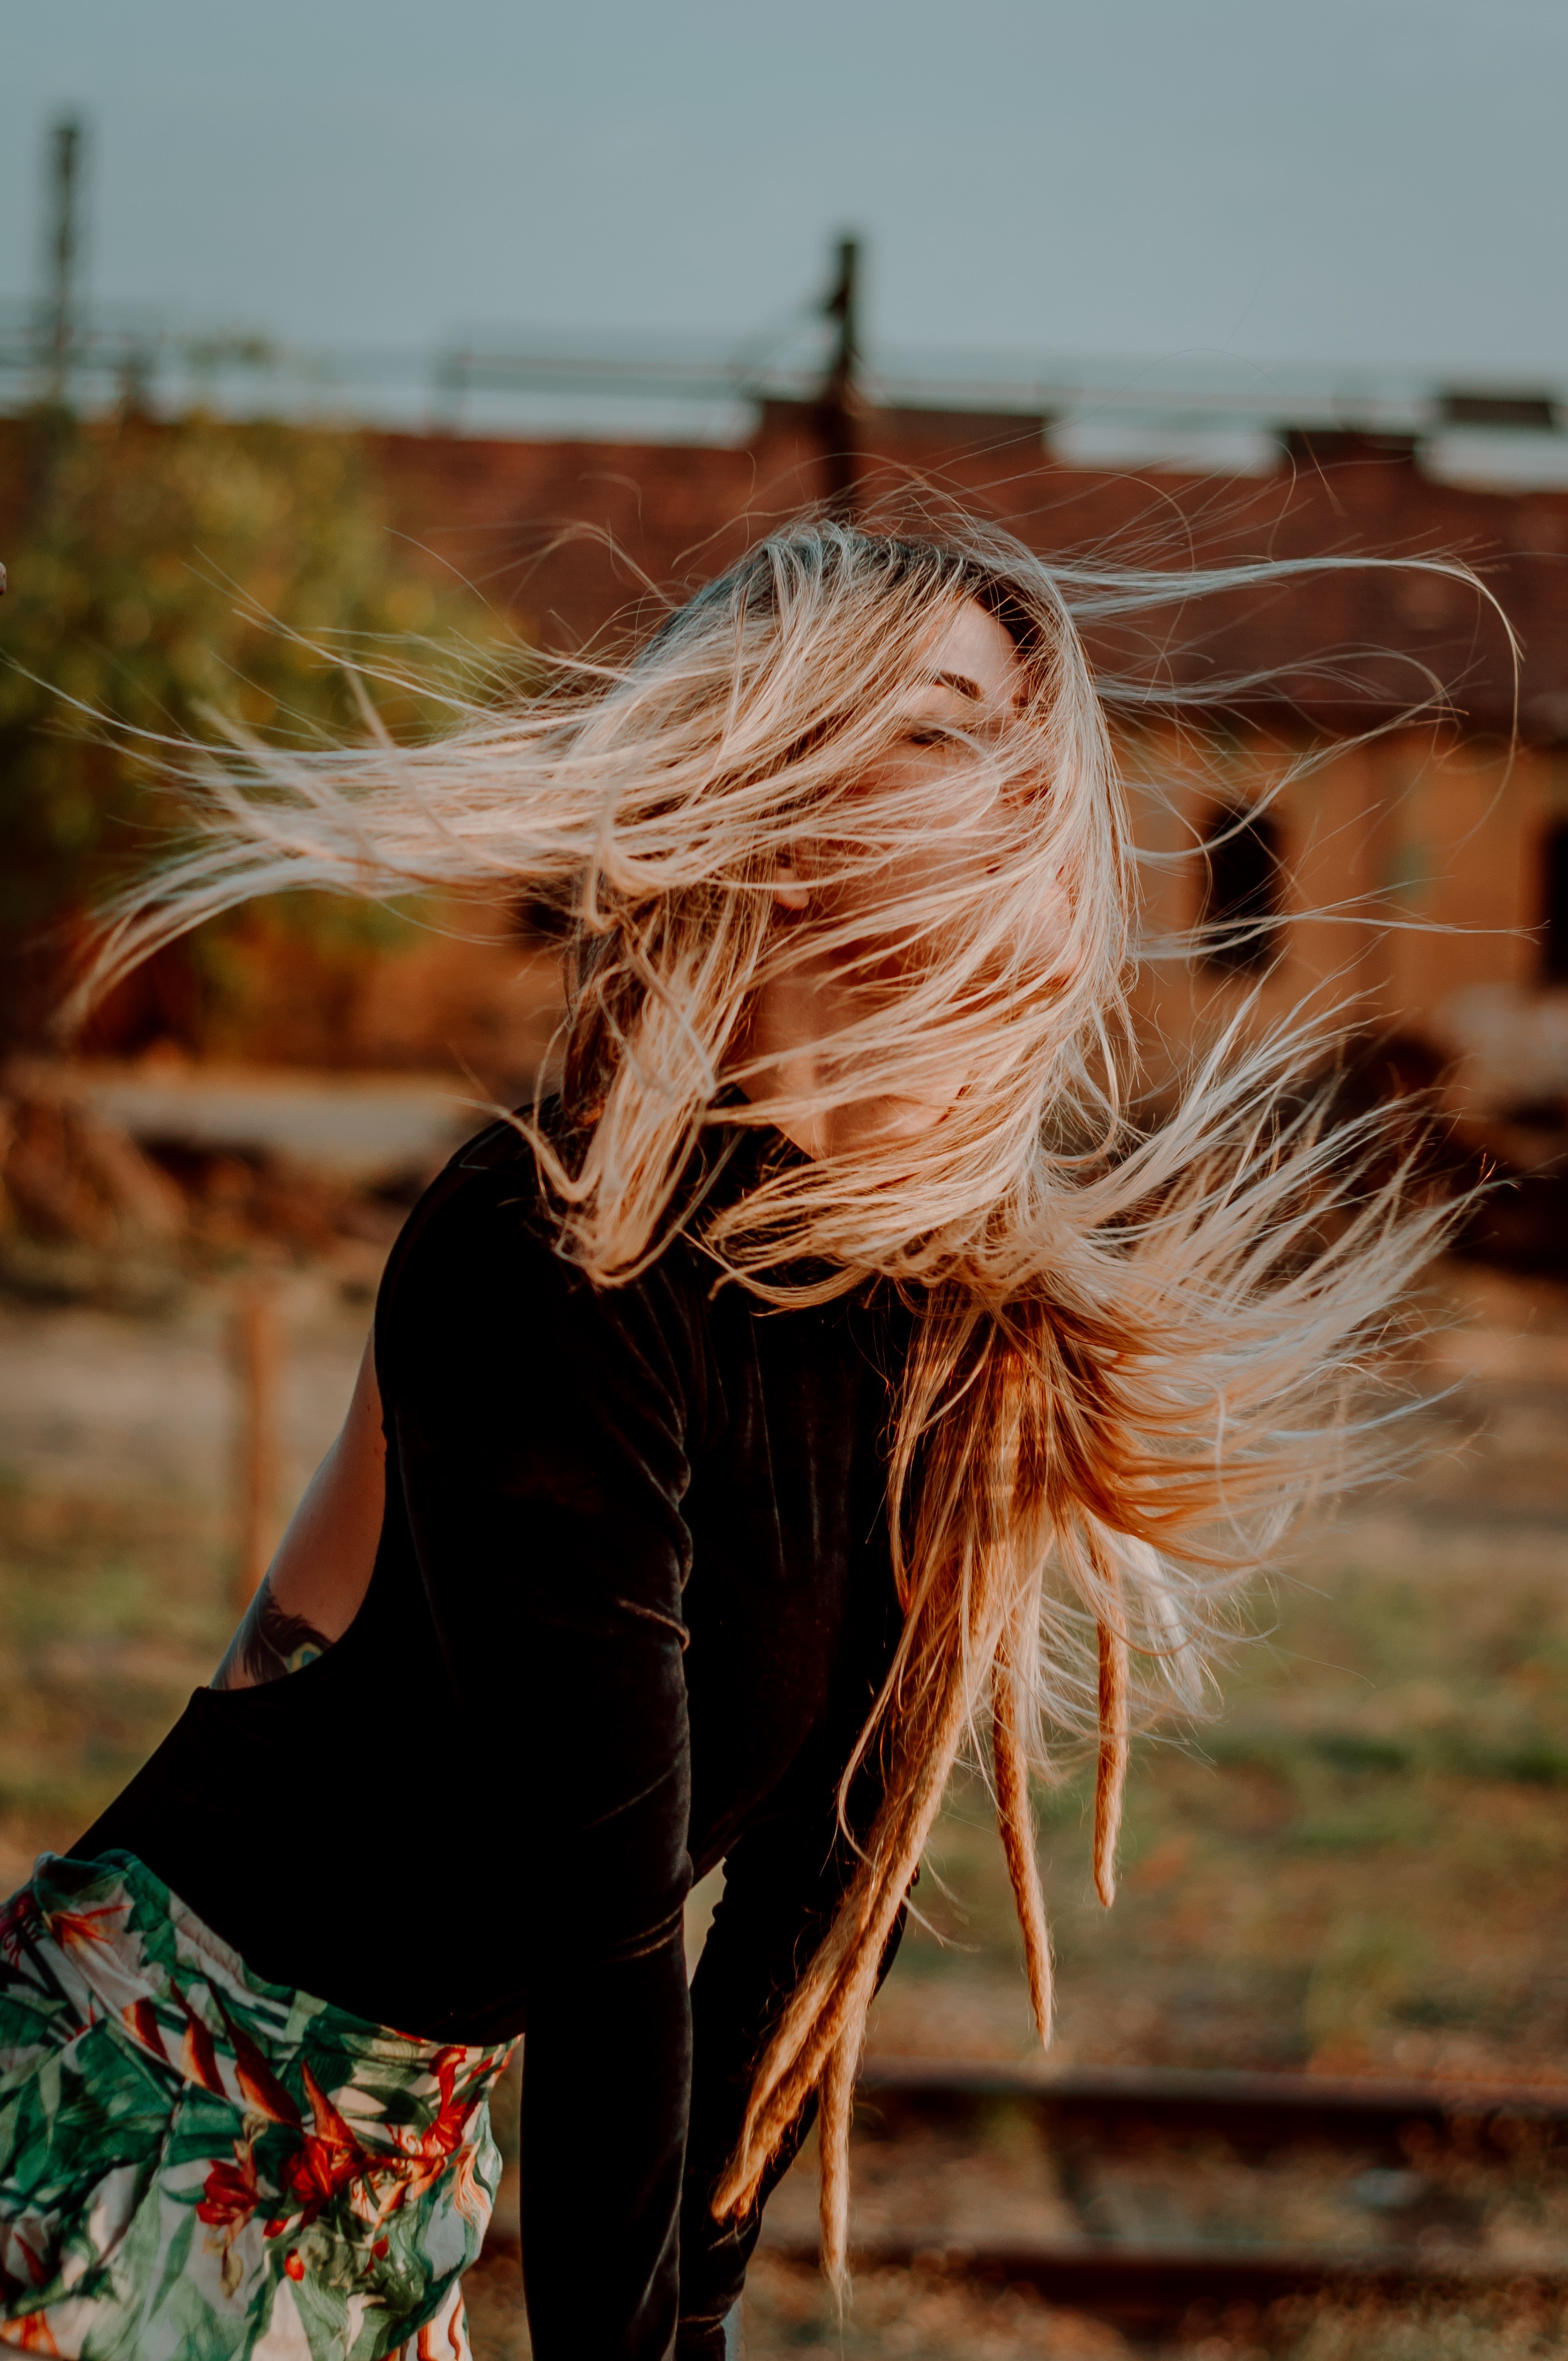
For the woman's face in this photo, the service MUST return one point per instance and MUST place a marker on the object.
(972, 684)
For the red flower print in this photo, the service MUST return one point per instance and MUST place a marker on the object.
(36, 2268)
(445, 2135)
(230, 2195)
(21, 1921)
(258, 2085)
(31, 2335)
(78, 1930)
(197, 2055)
(140, 2020)
(426, 2158)
(330, 2158)
(294, 2264)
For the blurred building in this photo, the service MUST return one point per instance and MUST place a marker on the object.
(1416, 866)
(1411, 863)
(1421, 869)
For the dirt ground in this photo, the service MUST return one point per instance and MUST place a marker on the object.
(1359, 1864)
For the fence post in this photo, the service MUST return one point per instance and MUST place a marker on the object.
(255, 1361)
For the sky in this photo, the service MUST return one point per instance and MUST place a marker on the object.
(1349, 183)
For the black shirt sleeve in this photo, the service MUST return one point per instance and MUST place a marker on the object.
(782, 1884)
(537, 1429)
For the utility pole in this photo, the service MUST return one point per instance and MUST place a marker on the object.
(66, 142)
(838, 407)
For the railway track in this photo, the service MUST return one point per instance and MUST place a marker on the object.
(1147, 2285)
(1147, 2289)
(1256, 2110)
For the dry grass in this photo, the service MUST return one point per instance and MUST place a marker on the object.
(925, 2315)
(790, 2316)
(1359, 1863)
(111, 1613)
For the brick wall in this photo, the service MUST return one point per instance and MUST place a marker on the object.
(1415, 859)
(568, 534)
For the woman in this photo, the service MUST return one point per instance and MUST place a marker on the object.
(829, 1367)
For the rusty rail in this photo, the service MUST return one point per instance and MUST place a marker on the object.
(1254, 2111)
(1146, 2288)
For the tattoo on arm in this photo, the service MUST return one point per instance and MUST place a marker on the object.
(268, 1644)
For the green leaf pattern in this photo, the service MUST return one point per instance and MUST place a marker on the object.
(196, 2165)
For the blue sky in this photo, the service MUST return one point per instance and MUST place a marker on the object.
(1331, 181)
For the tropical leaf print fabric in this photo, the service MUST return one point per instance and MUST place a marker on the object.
(197, 2166)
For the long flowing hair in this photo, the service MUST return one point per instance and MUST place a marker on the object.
(1138, 1344)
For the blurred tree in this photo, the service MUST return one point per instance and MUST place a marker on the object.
(151, 567)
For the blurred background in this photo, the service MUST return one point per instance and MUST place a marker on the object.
(473, 333)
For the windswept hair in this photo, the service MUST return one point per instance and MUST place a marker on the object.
(1137, 1345)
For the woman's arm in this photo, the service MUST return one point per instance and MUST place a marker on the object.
(316, 1584)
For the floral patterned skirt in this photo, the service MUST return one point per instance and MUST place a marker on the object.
(196, 2165)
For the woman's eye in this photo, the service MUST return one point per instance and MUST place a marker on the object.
(925, 733)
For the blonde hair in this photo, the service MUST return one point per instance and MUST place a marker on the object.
(1133, 1343)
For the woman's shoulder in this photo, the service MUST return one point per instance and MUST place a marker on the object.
(478, 1264)
(487, 1195)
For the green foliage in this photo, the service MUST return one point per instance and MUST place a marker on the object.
(161, 573)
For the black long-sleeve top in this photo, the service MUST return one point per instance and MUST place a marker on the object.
(631, 1606)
